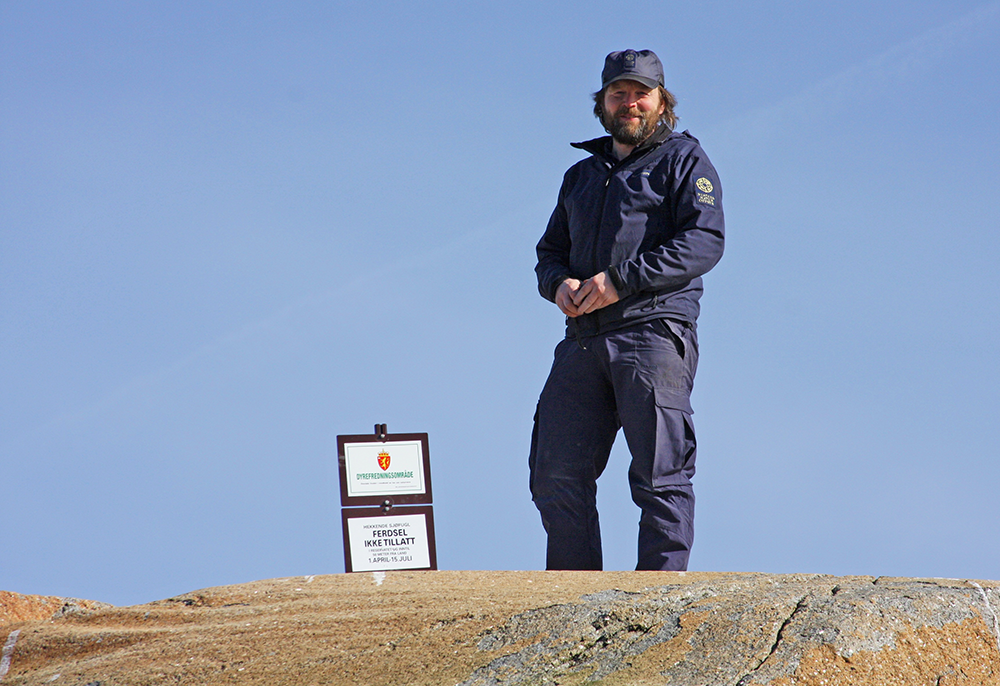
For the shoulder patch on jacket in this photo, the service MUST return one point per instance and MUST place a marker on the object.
(705, 191)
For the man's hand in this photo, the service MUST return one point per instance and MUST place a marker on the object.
(594, 293)
(564, 297)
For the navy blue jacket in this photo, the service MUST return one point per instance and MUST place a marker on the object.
(653, 221)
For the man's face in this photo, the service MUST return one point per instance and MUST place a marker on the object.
(631, 111)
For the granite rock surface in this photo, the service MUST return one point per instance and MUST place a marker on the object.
(493, 628)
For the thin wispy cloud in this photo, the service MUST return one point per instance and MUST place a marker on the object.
(902, 63)
(325, 305)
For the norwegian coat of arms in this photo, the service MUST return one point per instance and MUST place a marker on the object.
(383, 460)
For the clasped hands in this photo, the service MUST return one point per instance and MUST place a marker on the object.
(574, 297)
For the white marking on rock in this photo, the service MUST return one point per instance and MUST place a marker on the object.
(989, 606)
(8, 650)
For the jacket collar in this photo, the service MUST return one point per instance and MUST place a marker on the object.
(601, 147)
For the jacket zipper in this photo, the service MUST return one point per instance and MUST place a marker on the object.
(612, 170)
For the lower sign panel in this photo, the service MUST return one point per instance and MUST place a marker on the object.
(402, 539)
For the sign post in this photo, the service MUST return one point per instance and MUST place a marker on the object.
(386, 501)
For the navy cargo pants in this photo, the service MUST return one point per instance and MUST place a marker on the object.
(638, 379)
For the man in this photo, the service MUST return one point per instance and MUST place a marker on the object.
(636, 225)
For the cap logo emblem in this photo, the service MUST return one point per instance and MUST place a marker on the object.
(628, 60)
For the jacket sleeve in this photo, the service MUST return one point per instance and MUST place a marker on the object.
(694, 206)
(553, 250)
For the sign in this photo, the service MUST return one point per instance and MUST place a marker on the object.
(372, 469)
(401, 539)
(393, 473)
(394, 468)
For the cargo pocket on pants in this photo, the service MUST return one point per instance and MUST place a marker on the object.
(676, 446)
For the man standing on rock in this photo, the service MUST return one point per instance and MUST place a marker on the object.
(636, 225)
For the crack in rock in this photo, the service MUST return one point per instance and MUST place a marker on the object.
(800, 605)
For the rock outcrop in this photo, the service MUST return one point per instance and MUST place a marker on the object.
(16, 607)
(491, 628)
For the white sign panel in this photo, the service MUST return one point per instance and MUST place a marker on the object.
(391, 468)
(390, 542)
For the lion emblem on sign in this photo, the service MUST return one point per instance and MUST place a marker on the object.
(383, 460)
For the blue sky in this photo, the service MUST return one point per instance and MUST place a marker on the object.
(230, 232)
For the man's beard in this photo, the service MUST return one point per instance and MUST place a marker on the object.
(631, 133)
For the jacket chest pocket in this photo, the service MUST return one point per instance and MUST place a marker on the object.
(636, 190)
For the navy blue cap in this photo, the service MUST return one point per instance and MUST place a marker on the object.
(636, 65)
